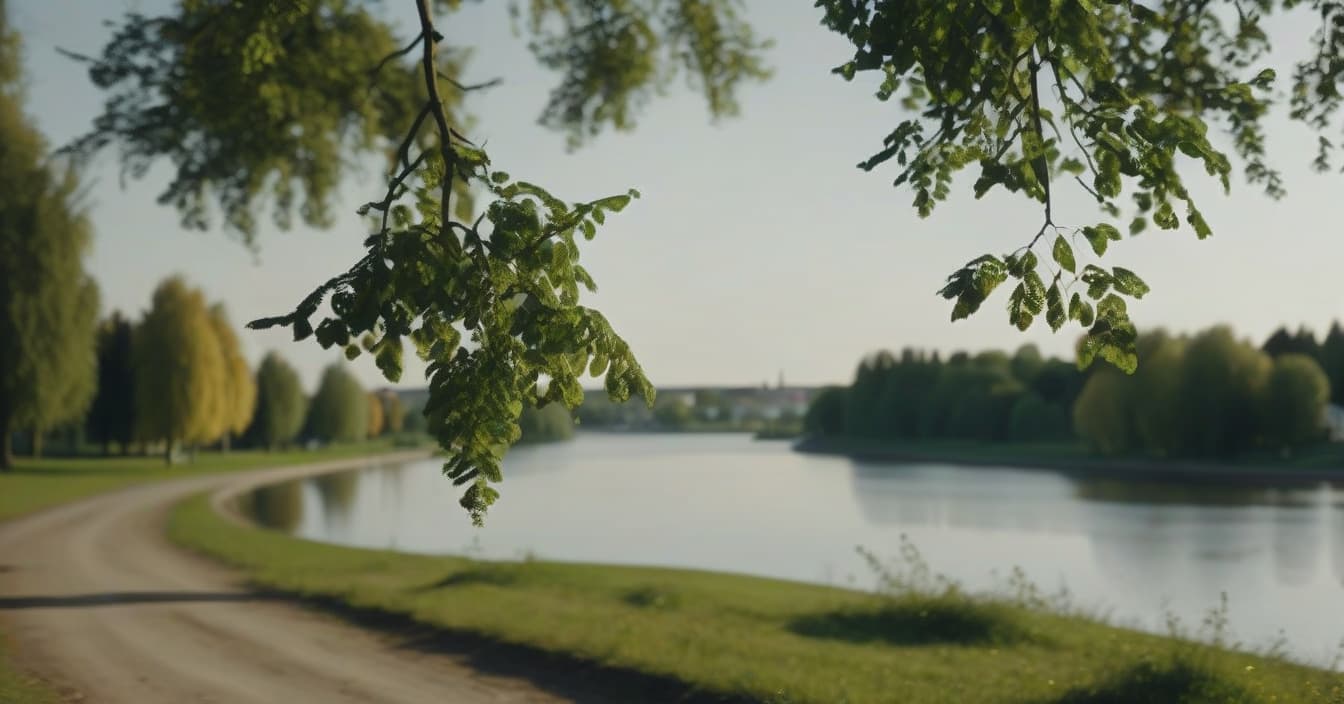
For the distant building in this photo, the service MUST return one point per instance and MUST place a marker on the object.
(1334, 422)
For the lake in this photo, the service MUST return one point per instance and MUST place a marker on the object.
(1137, 552)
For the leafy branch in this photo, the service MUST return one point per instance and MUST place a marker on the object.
(494, 312)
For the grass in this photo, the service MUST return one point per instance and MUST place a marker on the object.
(37, 484)
(715, 637)
(19, 688)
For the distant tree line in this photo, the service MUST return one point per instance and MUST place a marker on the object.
(990, 396)
(1209, 395)
(178, 379)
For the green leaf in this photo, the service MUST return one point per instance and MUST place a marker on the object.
(1064, 254)
(1097, 239)
(1112, 307)
(1196, 220)
(1055, 315)
(388, 358)
(1129, 283)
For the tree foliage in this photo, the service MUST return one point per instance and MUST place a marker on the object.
(339, 411)
(1209, 396)
(1295, 396)
(281, 404)
(238, 399)
(825, 416)
(1109, 98)
(989, 397)
(1332, 359)
(375, 416)
(550, 423)
(270, 99)
(112, 416)
(48, 303)
(181, 372)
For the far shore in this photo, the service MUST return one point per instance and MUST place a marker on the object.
(1321, 464)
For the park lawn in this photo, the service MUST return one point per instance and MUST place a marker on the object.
(753, 639)
(37, 484)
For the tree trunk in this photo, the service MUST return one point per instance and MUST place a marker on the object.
(37, 443)
(224, 442)
(168, 451)
(6, 446)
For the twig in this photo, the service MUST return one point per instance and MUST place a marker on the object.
(428, 37)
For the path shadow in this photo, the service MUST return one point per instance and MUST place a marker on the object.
(919, 623)
(563, 674)
(118, 598)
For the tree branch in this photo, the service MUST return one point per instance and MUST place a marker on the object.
(429, 38)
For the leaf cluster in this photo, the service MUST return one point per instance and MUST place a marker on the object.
(1113, 96)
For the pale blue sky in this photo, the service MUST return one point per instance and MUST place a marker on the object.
(757, 247)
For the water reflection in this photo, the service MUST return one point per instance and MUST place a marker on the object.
(279, 506)
(1138, 551)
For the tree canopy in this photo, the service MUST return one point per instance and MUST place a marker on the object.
(181, 371)
(281, 404)
(339, 411)
(238, 397)
(270, 99)
(48, 302)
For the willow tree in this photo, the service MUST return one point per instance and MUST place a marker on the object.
(239, 395)
(48, 303)
(339, 411)
(281, 406)
(181, 373)
(270, 98)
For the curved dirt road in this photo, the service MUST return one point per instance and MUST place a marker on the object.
(94, 599)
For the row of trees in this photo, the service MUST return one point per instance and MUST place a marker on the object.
(1208, 395)
(1329, 353)
(990, 396)
(179, 378)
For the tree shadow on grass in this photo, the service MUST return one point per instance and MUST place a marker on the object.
(916, 622)
(496, 576)
(1174, 682)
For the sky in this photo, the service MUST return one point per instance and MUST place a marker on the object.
(758, 248)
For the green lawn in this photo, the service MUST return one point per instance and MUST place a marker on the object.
(758, 639)
(37, 484)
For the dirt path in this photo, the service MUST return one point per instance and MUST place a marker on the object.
(95, 600)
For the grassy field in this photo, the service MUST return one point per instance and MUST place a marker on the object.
(36, 484)
(699, 636)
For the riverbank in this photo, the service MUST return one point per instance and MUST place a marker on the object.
(35, 484)
(1321, 463)
(702, 636)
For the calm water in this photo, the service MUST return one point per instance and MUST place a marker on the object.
(726, 502)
